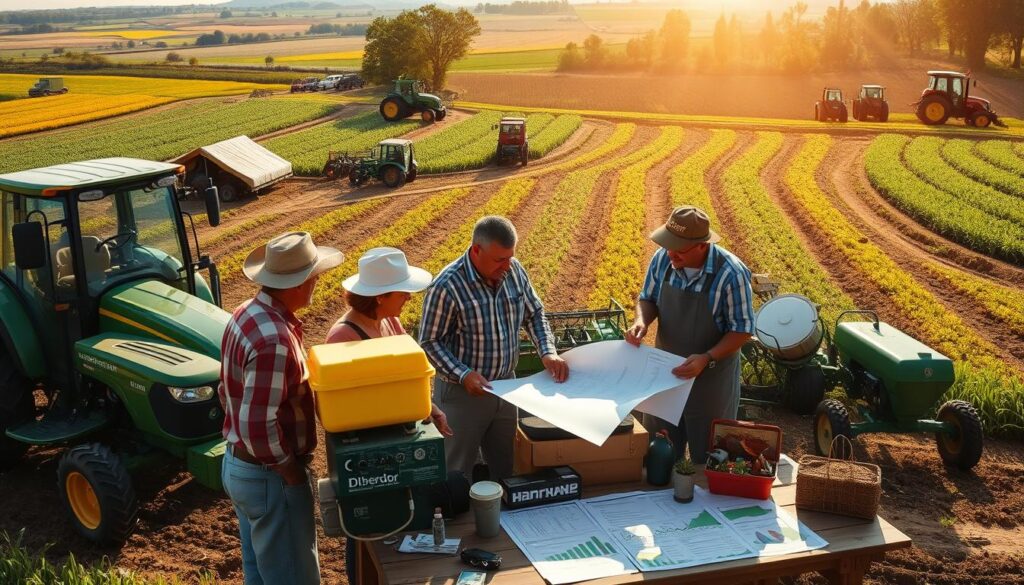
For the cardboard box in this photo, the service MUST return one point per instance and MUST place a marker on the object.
(620, 459)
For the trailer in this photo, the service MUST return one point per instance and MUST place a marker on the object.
(237, 167)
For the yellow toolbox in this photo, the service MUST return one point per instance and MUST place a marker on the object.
(370, 383)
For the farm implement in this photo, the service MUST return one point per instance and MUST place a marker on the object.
(392, 161)
(892, 381)
(110, 334)
(573, 329)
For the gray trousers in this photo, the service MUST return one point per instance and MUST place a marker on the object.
(484, 424)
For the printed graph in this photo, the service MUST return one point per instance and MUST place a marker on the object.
(594, 547)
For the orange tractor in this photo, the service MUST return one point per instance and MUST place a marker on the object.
(831, 106)
(870, 103)
(513, 144)
(948, 96)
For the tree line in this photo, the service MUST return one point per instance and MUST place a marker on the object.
(527, 7)
(844, 38)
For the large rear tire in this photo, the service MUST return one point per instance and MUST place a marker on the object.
(884, 115)
(963, 447)
(414, 171)
(934, 110)
(393, 176)
(97, 493)
(524, 154)
(830, 421)
(228, 191)
(858, 114)
(16, 407)
(817, 113)
(843, 115)
(392, 108)
(805, 387)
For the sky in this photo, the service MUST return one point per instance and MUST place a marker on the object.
(44, 4)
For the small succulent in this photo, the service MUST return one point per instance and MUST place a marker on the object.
(685, 466)
(740, 467)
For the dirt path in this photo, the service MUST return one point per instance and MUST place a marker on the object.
(713, 180)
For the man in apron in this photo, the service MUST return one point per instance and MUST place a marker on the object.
(702, 297)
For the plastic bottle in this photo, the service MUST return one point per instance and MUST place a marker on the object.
(660, 457)
(438, 527)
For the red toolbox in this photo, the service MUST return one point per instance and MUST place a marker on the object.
(745, 440)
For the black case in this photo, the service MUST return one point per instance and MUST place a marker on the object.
(538, 429)
(554, 484)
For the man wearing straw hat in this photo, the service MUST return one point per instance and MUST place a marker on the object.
(701, 296)
(269, 418)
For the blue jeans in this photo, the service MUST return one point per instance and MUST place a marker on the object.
(276, 524)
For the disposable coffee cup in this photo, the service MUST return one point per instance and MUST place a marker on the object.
(485, 499)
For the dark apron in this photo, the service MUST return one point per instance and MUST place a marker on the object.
(686, 326)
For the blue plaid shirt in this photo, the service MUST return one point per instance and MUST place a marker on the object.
(469, 326)
(730, 294)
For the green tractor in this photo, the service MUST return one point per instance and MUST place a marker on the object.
(391, 161)
(408, 98)
(111, 336)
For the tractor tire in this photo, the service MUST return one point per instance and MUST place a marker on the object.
(831, 420)
(354, 179)
(227, 191)
(934, 110)
(63, 90)
(963, 448)
(805, 387)
(392, 109)
(414, 172)
(817, 113)
(393, 176)
(328, 170)
(441, 115)
(843, 115)
(980, 119)
(97, 493)
(16, 407)
(884, 115)
(524, 154)
(857, 113)
(428, 116)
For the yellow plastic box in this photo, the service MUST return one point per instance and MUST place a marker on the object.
(370, 383)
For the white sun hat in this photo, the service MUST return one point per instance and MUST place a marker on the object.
(385, 270)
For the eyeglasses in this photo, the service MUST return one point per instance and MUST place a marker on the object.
(476, 557)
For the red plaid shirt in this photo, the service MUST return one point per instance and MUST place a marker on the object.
(268, 406)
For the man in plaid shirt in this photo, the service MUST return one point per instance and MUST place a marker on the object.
(269, 421)
(470, 331)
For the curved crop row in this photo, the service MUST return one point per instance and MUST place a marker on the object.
(620, 272)
(395, 234)
(160, 135)
(231, 266)
(438, 158)
(504, 202)
(1000, 153)
(923, 157)
(307, 149)
(439, 151)
(217, 236)
(938, 326)
(771, 245)
(1002, 302)
(72, 109)
(554, 134)
(687, 179)
(943, 212)
(960, 154)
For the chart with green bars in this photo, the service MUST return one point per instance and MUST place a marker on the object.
(746, 512)
(594, 547)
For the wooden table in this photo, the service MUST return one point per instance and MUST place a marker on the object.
(853, 545)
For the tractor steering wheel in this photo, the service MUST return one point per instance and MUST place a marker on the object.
(128, 236)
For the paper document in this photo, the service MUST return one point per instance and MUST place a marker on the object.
(424, 543)
(766, 528)
(564, 543)
(606, 381)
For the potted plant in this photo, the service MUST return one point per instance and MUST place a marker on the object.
(683, 474)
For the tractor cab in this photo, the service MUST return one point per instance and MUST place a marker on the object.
(948, 96)
(117, 333)
(871, 103)
(513, 143)
(831, 106)
(392, 161)
(833, 95)
(874, 92)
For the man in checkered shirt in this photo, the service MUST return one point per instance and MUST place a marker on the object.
(269, 418)
(470, 331)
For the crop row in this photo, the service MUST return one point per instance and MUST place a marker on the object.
(923, 157)
(960, 154)
(217, 236)
(18, 84)
(68, 110)
(686, 180)
(395, 234)
(937, 325)
(505, 202)
(620, 271)
(307, 149)
(1000, 153)
(938, 210)
(770, 244)
(159, 135)
(553, 135)
(1002, 302)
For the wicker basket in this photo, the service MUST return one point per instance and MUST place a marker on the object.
(838, 484)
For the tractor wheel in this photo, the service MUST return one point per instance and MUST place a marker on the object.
(353, 178)
(843, 116)
(980, 119)
(16, 407)
(805, 387)
(441, 115)
(64, 90)
(428, 116)
(817, 113)
(884, 115)
(934, 110)
(857, 113)
(830, 420)
(961, 448)
(228, 191)
(328, 170)
(414, 171)
(393, 176)
(524, 154)
(392, 108)
(97, 491)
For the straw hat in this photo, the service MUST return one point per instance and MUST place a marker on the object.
(384, 270)
(289, 260)
(686, 225)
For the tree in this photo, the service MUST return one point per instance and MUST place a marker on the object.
(131, 44)
(394, 47)
(570, 58)
(225, 13)
(173, 57)
(837, 50)
(918, 23)
(1013, 28)
(720, 40)
(674, 39)
(640, 50)
(735, 38)
(268, 61)
(768, 40)
(594, 51)
(447, 37)
(193, 61)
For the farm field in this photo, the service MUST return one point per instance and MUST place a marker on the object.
(97, 97)
(801, 205)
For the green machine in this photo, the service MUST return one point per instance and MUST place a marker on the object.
(110, 334)
(392, 161)
(573, 329)
(407, 98)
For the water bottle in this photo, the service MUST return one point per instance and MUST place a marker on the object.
(661, 455)
(438, 528)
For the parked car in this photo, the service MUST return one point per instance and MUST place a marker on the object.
(350, 81)
(305, 84)
(329, 82)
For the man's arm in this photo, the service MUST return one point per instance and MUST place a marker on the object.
(738, 307)
(539, 330)
(266, 383)
(646, 304)
(436, 323)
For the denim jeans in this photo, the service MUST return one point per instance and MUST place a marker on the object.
(276, 523)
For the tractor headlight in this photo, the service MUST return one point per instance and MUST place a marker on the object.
(188, 395)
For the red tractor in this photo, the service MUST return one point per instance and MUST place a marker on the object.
(513, 144)
(871, 104)
(831, 106)
(948, 96)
